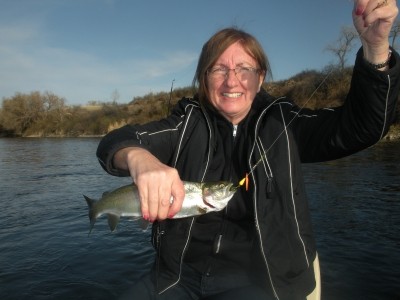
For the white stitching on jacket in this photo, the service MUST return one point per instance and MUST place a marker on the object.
(386, 107)
(291, 190)
(192, 222)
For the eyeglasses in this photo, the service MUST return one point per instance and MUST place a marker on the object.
(241, 73)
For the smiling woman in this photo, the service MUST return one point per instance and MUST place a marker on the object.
(261, 246)
(232, 94)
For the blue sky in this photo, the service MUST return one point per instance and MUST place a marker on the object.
(86, 50)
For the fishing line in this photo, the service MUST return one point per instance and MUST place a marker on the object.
(245, 180)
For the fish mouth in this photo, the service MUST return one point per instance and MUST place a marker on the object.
(208, 204)
(227, 190)
(233, 188)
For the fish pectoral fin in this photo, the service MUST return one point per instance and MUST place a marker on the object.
(113, 221)
(143, 223)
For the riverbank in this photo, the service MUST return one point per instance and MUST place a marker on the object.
(392, 135)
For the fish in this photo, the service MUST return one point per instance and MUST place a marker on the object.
(200, 198)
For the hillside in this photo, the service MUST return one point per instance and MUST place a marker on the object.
(47, 115)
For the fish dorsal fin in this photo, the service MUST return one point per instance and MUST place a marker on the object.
(105, 193)
(113, 221)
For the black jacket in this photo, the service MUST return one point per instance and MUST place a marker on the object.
(285, 136)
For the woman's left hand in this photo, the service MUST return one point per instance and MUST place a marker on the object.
(373, 20)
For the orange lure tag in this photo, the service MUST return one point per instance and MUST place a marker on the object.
(245, 182)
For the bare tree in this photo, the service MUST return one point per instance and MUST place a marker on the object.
(22, 111)
(55, 109)
(394, 32)
(114, 97)
(343, 45)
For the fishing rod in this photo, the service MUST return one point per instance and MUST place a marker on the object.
(170, 97)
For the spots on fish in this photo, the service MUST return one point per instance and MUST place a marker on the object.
(201, 210)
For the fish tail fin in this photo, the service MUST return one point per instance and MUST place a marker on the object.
(92, 217)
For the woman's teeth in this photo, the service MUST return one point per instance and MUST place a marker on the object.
(232, 95)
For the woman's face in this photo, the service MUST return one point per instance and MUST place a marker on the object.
(231, 97)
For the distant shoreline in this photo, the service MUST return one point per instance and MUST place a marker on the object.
(392, 135)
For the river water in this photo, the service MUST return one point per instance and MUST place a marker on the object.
(46, 253)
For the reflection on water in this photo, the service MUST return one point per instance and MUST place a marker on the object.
(46, 253)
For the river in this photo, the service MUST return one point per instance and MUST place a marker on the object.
(46, 253)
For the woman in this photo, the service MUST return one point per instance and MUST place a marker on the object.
(261, 246)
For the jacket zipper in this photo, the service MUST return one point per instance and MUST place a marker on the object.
(159, 233)
(217, 245)
(235, 127)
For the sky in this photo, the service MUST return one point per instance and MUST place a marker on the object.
(105, 50)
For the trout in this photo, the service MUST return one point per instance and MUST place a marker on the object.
(200, 198)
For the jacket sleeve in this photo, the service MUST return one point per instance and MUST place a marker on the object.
(363, 119)
(158, 137)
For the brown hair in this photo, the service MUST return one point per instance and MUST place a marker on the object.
(216, 45)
